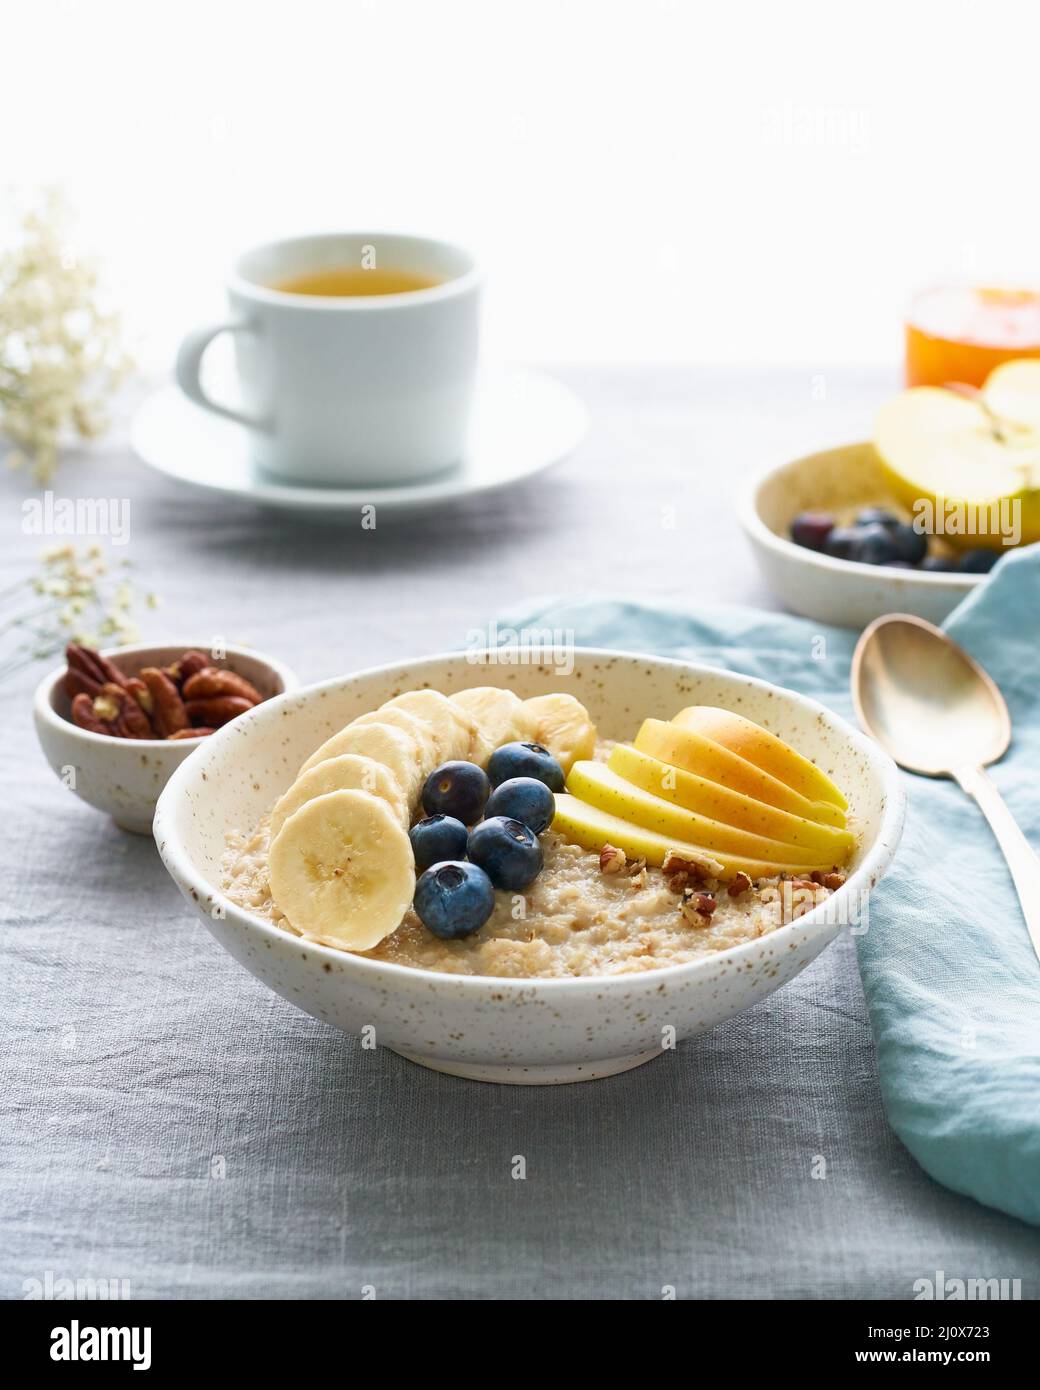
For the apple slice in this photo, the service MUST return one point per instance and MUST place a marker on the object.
(592, 828)
(719, 803)
(944, 448)
(692, 752)
(749, 740)
(600, 786)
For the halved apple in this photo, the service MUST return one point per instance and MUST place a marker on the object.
(757, 745)
(592, 828)
(692, 752)
(966, 454)
(600, 786)
(719, 803)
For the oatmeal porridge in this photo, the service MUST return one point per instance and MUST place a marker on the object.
(577, 919)
(536, 849)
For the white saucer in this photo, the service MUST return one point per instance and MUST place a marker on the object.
(523, 423)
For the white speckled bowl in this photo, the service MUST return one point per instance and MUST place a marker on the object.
(818, 586)
(124, 776)
(492, 1028)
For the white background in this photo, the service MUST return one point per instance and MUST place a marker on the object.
(646, 180)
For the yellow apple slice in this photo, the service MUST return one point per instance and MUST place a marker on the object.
(719, 803)
(693, 752)
(592, 828)
(598, 785)
(953, 451)
(749, 740)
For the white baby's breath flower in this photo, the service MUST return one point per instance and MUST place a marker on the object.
(67, 600)
(60, 355)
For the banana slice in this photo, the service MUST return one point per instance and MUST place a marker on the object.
(451, 729)
(500, 717)
(562, 724)
(417, 728)
(348, 772)
(386, 744)
(342, 870)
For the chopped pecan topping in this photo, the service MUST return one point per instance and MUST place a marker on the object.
(741, 884)
(612, 860)
(697, 908)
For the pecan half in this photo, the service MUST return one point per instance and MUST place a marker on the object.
(217, 712)
(187, 665)
(88, 671)
(166, 707)
(696, 868)
(112, 711)
(214, 683)
(140, 692)
(84, 717)
(127, 718)
(188, 733)
(81, 683)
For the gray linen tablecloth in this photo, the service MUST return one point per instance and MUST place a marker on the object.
(167, 1121)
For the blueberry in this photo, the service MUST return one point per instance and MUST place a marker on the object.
(841, 541)
(437, 838)
(938, 564)
(875, 545)
(524, 799)
(525, 760)
(876, 516)
(454, 899)
(911, 545)
(977, 561)
(811, 529)
(507, 850)
(456, 789)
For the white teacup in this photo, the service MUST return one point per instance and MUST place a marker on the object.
(349, 389)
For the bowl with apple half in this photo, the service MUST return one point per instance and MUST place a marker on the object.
(912, 520)
(527, 873)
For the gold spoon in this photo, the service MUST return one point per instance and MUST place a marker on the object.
(937, 712)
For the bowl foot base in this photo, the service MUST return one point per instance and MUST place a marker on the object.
(133, 827)
(546, 1074)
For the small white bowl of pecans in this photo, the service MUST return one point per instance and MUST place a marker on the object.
(115, 724)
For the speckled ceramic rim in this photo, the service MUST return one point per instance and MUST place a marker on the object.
(750, 518)
(43, 699)
(875, 861)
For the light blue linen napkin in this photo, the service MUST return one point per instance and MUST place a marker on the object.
(950, 976)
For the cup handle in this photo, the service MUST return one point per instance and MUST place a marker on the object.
(189, 364)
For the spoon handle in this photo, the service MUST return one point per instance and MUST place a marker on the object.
(1021, 858)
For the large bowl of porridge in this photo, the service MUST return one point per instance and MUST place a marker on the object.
(600, 973)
